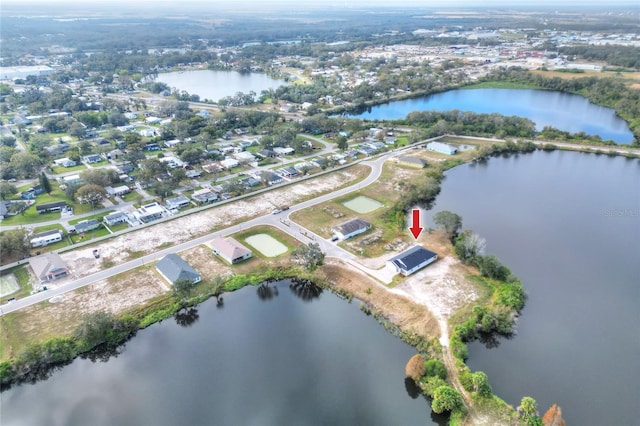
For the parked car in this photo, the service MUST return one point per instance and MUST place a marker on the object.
(276, 211)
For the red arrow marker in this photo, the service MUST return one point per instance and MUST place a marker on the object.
(415, 228)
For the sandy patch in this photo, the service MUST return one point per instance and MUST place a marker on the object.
(206, 263)
(266, 244)
(441, 288)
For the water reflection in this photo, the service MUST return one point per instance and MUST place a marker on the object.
(186, 317)
(412, 388)
(266, 291)
(305, 290)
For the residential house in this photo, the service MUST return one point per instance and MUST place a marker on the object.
(64, 162)
(244, 157)
(271, 178)
(58, 149)
(172, 162)
(86, 225)
(229, 163)
(118, 191)
(173, 269)
(70, 180)
(442, 148)
(288, 171)
(148, 133)
(149, 212)
(114, 154)
(92, 159)
(412, 260)
(192, 174)
(230, 250)
(114, 218)
(153, 120)
(172, 143)
(177, 203)
(351, 228)
(51, 207)
(45, 238)
(4, 209)
(48, 267)
(280, 151)
(31, 193)
(205, 195)
(267, 153)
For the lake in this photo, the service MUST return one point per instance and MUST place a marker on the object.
(214, 85)
(568, 225)
(564, 111)
(267, 357)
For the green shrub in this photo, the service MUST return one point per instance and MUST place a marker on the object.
(435, 368)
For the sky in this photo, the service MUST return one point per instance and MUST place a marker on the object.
(424, 3)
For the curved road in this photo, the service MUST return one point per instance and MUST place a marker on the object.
(294, 230)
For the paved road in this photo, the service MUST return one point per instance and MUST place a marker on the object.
(294, 230)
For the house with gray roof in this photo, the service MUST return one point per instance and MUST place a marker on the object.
(173, 268)
(86, 225)
(48, 267)
(412, 260)
(351, 228)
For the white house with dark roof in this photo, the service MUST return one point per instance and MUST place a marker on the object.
(48, 267)
(229, 249)
(115, 218)
(351, 228)
(412, 260)
(173, 268)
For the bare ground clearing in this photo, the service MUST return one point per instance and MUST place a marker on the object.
(128, 246)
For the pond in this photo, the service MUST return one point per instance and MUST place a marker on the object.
(282, 354)
(568, 225)
(564, 111)
(214, 85)
(362, 204)
(267, 245)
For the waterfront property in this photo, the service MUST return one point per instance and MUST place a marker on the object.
(441, 148)
(412, 260)
(229, 249)
(362, 204)
(46, 238)
(173, 268)
(49, 267)
(351, 228)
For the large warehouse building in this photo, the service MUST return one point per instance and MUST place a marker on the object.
(12, 73)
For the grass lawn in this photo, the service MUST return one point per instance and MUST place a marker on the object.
(132, 196)
(98, 216)
(118, 227)
(94, 233)
(46, 228)
(59, 170)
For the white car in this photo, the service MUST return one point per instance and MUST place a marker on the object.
(276, 211)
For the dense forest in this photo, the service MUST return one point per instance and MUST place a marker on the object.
(621, 56)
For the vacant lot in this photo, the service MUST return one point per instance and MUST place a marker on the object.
(8, 284)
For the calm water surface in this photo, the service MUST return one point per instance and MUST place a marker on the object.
(567, 224)
(214, 85)
(563, 111)
(271, 360)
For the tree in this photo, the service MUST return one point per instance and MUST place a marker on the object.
(434, 367)
(77, 130)
(90, 194)
(95, 328)
(310, 256)
(7, 188)
(450, 222)
(492, 268)
(528, 411)
(342, 143)
(415, 367)
(14, 244)
(469, 246)
(24, 164)
(481, 385)
(445, 398)
(182, 289)
(44, 183)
